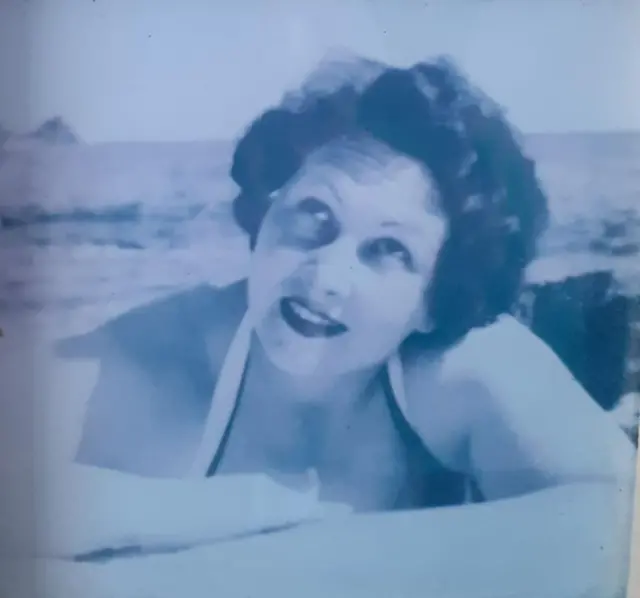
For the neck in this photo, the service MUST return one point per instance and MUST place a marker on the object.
(297, 419)
(313, 392)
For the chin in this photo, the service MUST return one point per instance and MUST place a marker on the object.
(295, 361)
(297, 351)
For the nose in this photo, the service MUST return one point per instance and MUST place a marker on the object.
(334, 267)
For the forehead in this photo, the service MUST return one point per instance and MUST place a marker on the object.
(366, 170)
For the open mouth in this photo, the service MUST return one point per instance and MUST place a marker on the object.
(308, 321)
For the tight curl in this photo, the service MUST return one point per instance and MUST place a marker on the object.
(488, 188)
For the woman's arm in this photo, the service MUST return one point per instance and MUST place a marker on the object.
(84, 510)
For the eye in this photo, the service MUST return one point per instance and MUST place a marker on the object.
(313, 222)
(388, 250)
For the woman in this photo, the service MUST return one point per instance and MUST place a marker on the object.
(390, 224)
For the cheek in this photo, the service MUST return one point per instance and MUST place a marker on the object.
(394, 300)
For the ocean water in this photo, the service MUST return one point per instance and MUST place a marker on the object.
(89, 230)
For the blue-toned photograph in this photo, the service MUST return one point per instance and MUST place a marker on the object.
(326, 300)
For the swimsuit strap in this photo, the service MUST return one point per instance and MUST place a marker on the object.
(227, 389)
(224, 400)
(395, 375)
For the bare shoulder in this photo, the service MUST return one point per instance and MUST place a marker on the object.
(516, 407)
(501, 356)
(500, 380)
(146, 358)
(448, 392)
(504, 354)
(157, 326)
(506, 367)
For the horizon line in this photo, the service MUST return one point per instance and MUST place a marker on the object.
(82, 141)
(234, 140)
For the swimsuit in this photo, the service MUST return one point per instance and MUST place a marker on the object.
(166, 340)
(441, 486)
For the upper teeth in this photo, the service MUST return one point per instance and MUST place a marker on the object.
(307, 314)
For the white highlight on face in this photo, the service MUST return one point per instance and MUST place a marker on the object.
(354, 237)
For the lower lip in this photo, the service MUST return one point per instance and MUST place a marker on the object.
(307, 328)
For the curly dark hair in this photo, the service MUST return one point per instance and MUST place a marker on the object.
(488, 188)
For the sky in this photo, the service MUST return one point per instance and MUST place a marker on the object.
(176, 70)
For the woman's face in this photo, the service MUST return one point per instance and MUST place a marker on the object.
(342, 260)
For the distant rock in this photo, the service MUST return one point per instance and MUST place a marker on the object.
(589, 324)
(55, 131)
